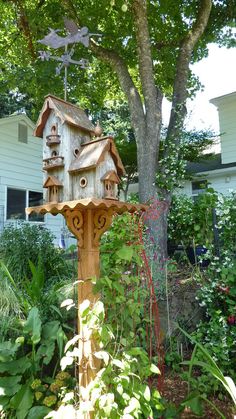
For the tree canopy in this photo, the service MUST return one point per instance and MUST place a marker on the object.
(144, 52)
(24, 23)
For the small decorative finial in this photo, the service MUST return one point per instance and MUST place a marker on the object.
(98, 130)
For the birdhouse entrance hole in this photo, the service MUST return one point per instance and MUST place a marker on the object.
(83, 182)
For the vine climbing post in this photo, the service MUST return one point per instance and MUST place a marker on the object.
(87, 226)
(88, 220)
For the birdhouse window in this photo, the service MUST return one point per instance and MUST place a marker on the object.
(53, 138)
(83, 182)
(109, 189)
(54, 130)
(53, 194)
(110, 181)
(54, 153)
(76, 152)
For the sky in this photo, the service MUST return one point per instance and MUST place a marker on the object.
(217, 73)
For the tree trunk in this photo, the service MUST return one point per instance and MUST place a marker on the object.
(145, 107)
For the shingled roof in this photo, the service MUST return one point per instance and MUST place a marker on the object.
(92, 154)
(207, 165)
(52, 181)
(67, 112)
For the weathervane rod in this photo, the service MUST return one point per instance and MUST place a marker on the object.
(65, 79)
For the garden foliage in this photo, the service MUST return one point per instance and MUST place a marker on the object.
(120, 328)
(19, 245)
(191, 224)
(29, 385)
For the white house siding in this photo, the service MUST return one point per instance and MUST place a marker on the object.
(223, 182)
(21, 167)
(227, 117)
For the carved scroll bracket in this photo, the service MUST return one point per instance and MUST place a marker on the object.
(102, 220)
(75, 222)
(88, 225)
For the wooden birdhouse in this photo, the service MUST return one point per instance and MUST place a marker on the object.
(76, 166)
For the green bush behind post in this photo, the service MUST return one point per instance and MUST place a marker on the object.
(19, 245)
(33, 272)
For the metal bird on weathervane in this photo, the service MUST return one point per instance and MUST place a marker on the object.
(55, 41)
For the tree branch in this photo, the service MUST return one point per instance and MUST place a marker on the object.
(152, 96)
(178, 111)
(127, 85)
(24, 26)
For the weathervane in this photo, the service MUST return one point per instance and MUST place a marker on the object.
(55, 41)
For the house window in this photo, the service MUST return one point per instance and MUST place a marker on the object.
(35, 199)
(18, 200)
(16, 203)
(198, 187)
(22, 133)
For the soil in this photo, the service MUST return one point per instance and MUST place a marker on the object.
(175, 391)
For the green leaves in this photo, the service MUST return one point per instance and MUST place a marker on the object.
(22, 401)
(147, 394)
(19, 366)
(9, 385)
(154, 369)
(210, 366)
(33, 325)
(125, 253)
(102, 355)
(194, 402)
(38, 412)
(8, 350)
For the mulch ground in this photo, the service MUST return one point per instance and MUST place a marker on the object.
(175, 391)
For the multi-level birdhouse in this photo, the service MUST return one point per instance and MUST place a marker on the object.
(76, 163)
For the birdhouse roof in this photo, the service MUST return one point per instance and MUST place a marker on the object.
(92, 154)
(52, 181)
(67, 112)
(111, 175)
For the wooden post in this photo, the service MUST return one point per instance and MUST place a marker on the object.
(87, 225)
(87, 219)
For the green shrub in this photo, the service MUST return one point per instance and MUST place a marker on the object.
(217, 295)
(10, 309)
(191, 223)
(32, 243)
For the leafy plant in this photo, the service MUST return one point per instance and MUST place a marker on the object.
(191, 223)
(202, 358)
(24, 360)
(32, 243)
(119, 389)
(10, 308)
(217, 295)
(33, 293)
